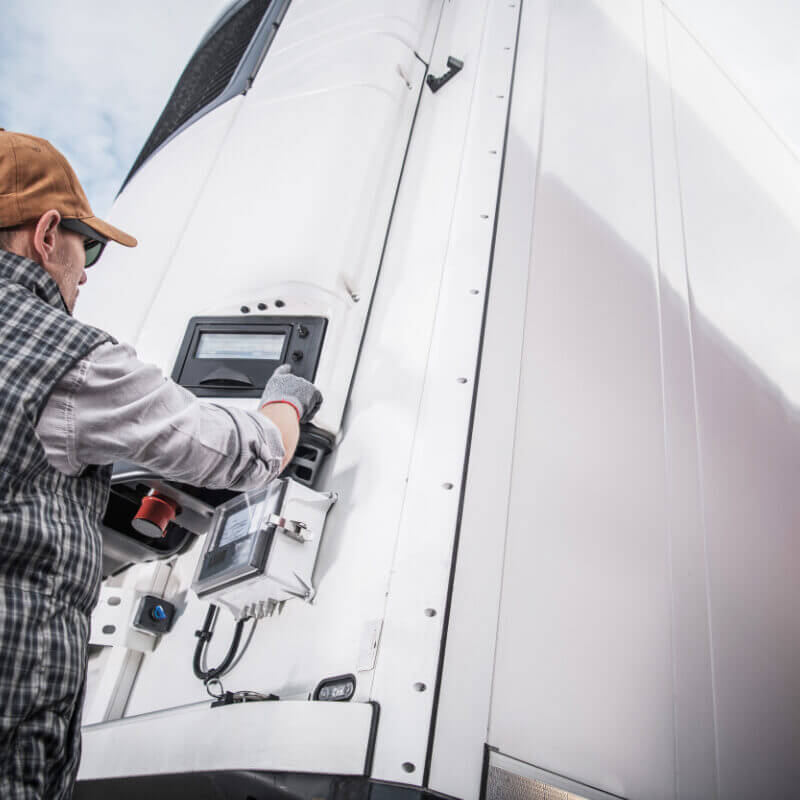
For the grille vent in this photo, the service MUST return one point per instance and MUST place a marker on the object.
(504, 785)
(206, 76)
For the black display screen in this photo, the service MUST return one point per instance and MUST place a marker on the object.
(266, 346)
(235, 356)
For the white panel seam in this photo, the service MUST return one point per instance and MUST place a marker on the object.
(522, 347)
(657, 282)
(698, 435)
(778, 135)
(411, 451)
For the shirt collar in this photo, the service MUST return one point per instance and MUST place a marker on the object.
(32, 276)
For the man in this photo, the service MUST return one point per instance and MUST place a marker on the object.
(72, 401)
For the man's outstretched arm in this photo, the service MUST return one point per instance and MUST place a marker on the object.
(112, 406)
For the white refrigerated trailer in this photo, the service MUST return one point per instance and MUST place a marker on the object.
(542, 538)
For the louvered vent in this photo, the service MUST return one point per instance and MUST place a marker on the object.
(206, 76)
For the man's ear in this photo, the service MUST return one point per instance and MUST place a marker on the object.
(45, 234)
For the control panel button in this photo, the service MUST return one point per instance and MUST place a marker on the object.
(154, 615)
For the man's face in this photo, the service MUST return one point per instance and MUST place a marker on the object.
(66, 265)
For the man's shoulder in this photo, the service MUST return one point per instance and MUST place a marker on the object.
(34, 332)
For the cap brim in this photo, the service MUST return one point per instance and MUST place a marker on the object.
(109, 231)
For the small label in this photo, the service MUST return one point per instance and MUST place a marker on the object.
(370, 636)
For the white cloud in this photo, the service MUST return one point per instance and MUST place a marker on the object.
(93, 76)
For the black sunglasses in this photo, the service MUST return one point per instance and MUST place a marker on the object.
(93, 243)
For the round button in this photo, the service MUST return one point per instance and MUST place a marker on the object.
(297, 355)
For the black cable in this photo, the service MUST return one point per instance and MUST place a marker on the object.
(203, 637)
(246, 643)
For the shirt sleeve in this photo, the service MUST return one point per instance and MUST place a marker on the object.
(111, 406)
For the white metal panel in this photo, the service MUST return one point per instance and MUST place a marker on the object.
(293, 650)
(292, 202)
(303, 190)
(603, 649)
(741, 202)
(753, 174)
(695, 769)
(323, 738)
(155, 208)
(583, 679)
(755, 43)
(454, 165)
(310, 21)
(462, 715)
(159, 200)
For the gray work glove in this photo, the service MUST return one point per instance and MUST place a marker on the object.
(283, 386)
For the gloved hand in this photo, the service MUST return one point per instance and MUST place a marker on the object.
(285, 387)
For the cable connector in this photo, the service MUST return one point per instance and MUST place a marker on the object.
(229, 698)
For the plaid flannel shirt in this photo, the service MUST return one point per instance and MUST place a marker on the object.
(50, 543)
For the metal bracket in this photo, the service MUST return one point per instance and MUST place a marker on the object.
(454, 66)
(292, 528)
(307, 592)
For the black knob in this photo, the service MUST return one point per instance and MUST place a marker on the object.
(302, 331)
(297, 355)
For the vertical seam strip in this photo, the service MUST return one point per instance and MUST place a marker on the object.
(698, 438)
(665, 432)
(523, 342)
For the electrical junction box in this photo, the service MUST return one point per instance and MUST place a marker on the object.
(261, 548)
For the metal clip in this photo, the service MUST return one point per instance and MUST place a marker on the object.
(292, 528)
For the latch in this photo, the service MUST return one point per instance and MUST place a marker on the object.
(454, 66)
(292, 528)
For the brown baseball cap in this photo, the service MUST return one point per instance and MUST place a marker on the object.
(35, 177)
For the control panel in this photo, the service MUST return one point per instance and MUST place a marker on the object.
(235, 356)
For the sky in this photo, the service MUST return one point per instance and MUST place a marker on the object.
(92, 76)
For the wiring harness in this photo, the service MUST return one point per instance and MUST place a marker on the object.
(211, 676)
(204, 636)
